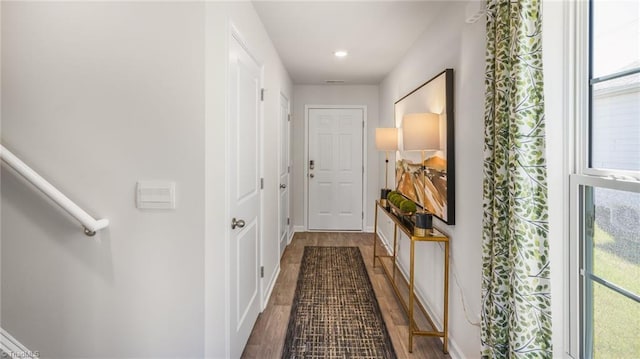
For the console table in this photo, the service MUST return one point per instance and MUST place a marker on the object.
(432, 235)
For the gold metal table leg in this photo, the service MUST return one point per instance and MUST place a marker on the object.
(375, 235)
(411, 297)
(395, 246)
(446, 298)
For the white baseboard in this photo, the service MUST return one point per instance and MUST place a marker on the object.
(454, 350)
(12, 348)
(271, 285)
(368, 229)
(291, 234)
(385, 242)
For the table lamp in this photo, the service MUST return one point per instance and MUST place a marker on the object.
(386, 140)
(421, 132)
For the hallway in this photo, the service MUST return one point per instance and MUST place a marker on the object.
(111, 101)
(270, 329)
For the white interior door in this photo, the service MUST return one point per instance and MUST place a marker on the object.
(244, 193)
(335, 168)
(283, 218)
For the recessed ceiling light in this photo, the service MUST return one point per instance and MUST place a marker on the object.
(341, 53)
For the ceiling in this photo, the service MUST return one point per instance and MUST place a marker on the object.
(376, 35)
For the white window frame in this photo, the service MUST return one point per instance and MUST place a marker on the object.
(578, 330)
(583, 29)
(581, 175)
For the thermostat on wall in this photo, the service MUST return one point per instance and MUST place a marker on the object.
(155, 195)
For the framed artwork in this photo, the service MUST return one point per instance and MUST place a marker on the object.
(437, 193)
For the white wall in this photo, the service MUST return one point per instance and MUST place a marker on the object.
(0, 172)
(100, 95)
(219, 17)
(449, 42)
(366, 95)
(554, 30)
(97, 96)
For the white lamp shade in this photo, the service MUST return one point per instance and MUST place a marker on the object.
(421, 132)
(387, 139)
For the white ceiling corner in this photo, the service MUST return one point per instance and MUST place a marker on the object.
(377, 34)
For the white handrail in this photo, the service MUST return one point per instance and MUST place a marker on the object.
(90, 224)
(11, 347)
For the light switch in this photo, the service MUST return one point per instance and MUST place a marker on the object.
(156, 195)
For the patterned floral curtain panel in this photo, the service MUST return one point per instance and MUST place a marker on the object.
(516, 302)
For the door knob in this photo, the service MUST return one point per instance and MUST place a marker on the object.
(311, 175)
(283, 186)
(237, 223)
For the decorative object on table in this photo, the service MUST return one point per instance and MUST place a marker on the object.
(424, 221)
(421, 132)
(392, 198)
(386, 140)
(335, 313)
(400, 205)
(435, 191)
(384, 194)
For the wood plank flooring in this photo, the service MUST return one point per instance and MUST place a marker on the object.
(268, 334)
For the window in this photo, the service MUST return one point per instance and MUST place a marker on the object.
(615, 86)
(606, 183)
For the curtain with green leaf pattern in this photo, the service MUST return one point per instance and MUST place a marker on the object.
(516, 302)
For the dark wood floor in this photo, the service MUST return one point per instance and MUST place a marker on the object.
(268, 334)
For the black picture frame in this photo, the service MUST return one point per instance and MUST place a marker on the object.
(435, 96)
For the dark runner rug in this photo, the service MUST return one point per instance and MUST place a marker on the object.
(335, 313)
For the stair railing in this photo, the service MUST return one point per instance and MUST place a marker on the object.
(90, 225)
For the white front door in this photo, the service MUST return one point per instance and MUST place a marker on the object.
(244, 194)
(283, 218)
(335, 168)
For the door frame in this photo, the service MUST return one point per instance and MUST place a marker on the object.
(305, 166)
(235, 35)
(284, 98)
